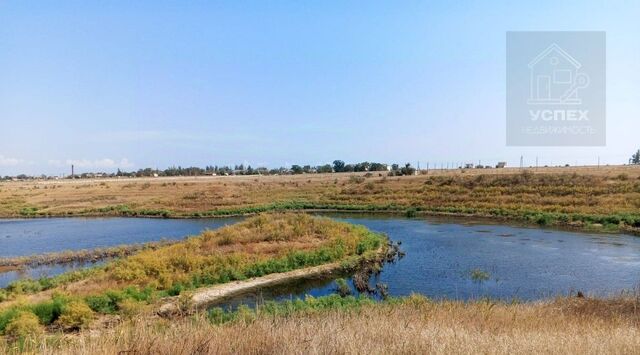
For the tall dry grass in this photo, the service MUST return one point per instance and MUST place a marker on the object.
(414, 326)
(503, 192)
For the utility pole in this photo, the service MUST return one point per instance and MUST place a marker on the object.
(598, 161)
(536, 162)
(72, 172)
(521, 161)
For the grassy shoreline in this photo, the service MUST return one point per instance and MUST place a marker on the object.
(602, 223)
(602, 200)
(262, 245)
(81, 256)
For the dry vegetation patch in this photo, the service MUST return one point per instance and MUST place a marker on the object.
(608, 196)
(413, 325)
(261, 245)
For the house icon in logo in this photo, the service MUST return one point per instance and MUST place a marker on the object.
(556, 78)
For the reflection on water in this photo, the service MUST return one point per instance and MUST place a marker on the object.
(19, 237)
(521, 262)
(41, 271)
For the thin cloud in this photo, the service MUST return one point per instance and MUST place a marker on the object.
(106, 163)
(7, 161)
(138, 136)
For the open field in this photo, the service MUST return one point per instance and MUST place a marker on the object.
(413, 325)
(607, 197)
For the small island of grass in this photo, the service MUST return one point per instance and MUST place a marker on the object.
(259, 246)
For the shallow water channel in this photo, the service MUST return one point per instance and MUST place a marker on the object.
(526, 263)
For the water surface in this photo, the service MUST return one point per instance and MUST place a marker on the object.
(20, 237)
(522, 262)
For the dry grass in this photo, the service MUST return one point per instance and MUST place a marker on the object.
(83, 255)
(605, 191)
(416, 325)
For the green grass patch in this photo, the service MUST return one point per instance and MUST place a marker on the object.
(307, 305)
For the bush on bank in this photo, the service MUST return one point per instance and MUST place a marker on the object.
(258, 246)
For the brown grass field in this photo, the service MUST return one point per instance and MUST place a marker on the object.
(413, 326)
(572, 196)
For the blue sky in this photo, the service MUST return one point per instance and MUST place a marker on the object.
(152, 83)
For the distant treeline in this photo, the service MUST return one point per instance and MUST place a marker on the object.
(338, 166)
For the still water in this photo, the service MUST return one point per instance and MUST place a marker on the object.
(521, 262)
(20, 237)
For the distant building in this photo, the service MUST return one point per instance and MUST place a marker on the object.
(501, 164)
(468, 166)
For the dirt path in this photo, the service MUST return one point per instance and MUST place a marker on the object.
(204, 297)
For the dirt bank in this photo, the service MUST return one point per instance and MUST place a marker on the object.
(207, 296)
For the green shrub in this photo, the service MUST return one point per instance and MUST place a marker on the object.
(24, 286)
(175, 289)
(342, 287)
(6, 317)
(49, 312)
(75, 315)
(101, 304)
(370, 242)
(106, 303)
(25, 324)
(410, 212)
(137, 294)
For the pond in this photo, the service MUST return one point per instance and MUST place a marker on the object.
(20, 237)
(526, 263)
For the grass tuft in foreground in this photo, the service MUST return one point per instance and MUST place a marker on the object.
(350, 325)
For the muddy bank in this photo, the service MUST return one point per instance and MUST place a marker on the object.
(205, 297)
(78, 256)
(211, 295)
